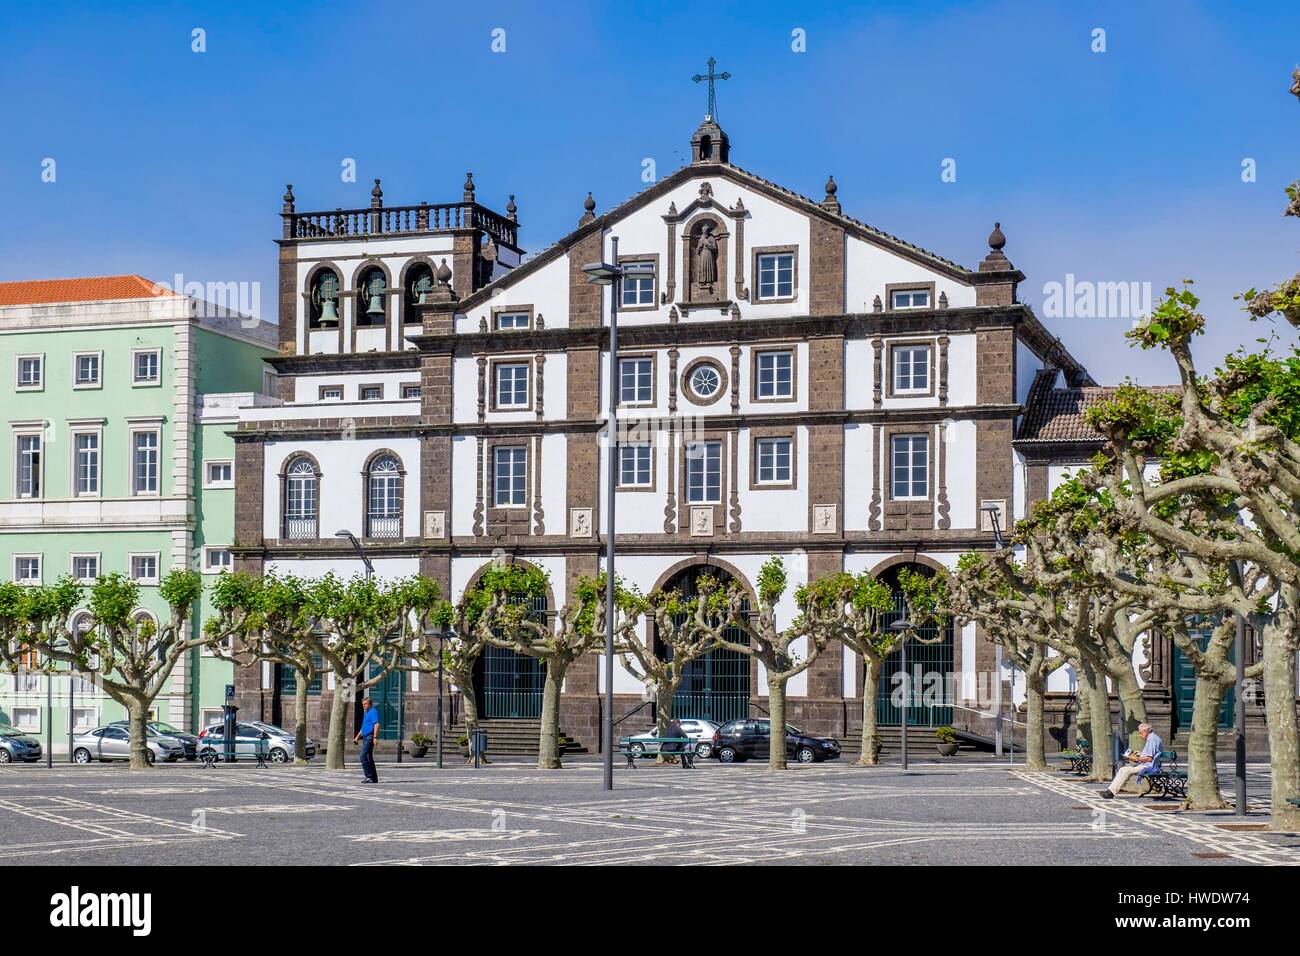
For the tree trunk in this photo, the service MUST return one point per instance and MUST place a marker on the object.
(663, 716)
(300, 719)
(1099, 702)
(137, 715)
(776, 710)
(338, 727)
(870, 730)
(1202, 774)
(548, 744)
(1279, 709)
(469, 705)
(1132, 705)
(1082, 708)
(1035, 688)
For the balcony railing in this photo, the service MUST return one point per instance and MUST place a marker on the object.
(299, 529)
(383, 526)
(399, 221)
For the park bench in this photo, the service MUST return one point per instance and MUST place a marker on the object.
(211, 755)
(634, 749)
(1293, 800)
(1169, 781)
(1078, 760)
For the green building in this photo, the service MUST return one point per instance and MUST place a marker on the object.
(115, 457)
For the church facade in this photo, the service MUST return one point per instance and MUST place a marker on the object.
(791, 381)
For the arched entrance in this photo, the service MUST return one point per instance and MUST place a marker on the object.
(930, 701)
(715, 686)
(507, 684)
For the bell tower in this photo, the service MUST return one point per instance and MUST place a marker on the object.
(710, 143)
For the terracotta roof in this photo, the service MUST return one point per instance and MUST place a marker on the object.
(1057, 414)
(91, 289)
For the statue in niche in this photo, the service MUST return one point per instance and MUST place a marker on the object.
(706, 257)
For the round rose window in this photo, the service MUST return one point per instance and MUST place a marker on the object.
(705, 381)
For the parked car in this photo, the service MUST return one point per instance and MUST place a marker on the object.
(16, 745)
(188, 743)
(248, 737)
(701, 731)
(114, 743)
(741, 739)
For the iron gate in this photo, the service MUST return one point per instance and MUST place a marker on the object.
(715, 686)
(929, 701)
(510, 684)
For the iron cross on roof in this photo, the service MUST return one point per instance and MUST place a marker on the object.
(711, 76)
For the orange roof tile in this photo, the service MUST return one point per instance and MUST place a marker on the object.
(91, 289)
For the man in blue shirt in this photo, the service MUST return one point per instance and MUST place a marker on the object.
(1140, 764)
(368, 737)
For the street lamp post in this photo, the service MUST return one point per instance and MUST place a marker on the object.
(608, 274)
(903, 626)
(370, 572)
(429, 634)
(994, 513)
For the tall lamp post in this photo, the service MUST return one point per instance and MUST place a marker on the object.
(608, 274)
(903, 627)
(441, 636)
(995, 513)
(370, 572)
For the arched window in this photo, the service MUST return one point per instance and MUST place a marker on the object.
(81, 625)
(325, 300)
(384, 497)
(144, 629)
(715, 686)
(371, 290)
(301, 499)
(419, 283)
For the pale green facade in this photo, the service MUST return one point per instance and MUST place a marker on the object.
(159, 493)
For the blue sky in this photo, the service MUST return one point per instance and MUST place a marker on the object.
(1122, 166)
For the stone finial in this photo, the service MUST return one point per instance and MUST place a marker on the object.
(997, 279)
(443, 274)
(996, 239)
(288, 198)
(830, 202)
(943, 300)
(512, 210)
(540, 321)
(376, 195)
(589, 209)
(469, 187)
(877, 305)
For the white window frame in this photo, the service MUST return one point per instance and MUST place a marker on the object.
(894, 441)
(76, 430)
(99, 370)
(31, 727)
(157, 566)
(775, 259)
(37, 386)
(405, 389)
(775, 478)
(511, 406)
(331, 398)
(898, 351)
(136, 381)
(27, 556)
(496, 476)
(909, 293)
(362, 389)
(29, 431)
(91, 709)
(206, 567)
(513, 326)
(156, 431)
(223, 483)
(776, 394)
(636, 361)
(639, 279)
(76, 556)
(691, 456)
(643, 455)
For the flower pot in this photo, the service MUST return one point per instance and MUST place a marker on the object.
(948, 750)
(419, 751)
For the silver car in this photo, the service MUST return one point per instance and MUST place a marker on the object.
(248, 740)
(701, 731)
(114, 743)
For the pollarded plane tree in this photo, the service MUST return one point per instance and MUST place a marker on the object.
(506, 620)
(448, 636)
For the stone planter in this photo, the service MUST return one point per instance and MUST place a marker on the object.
(418, 751)
(948, 750)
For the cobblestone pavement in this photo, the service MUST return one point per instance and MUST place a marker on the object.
(967, 812)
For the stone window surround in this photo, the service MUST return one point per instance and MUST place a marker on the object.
(513, 310)
(685, 380)
(308, 286)
(406, 388)
(758, 350)
(139, 427)
(204, 566)
(18, 364)
(157, 568)
(723, 439)
(892, 287)
(775, 431)
(78, 427)
(890, 432)
(99, 370)
(652, 257)
(496, 512)
(154, 382)
(321, 396)
(931, 375)
(283, 476)
(208, 482)
(40, 567)
(365, 493)
(496, 363)
(653, 445)
(757, 298)
(361, 390)
(72, 564)
(25, 430)
(653, 356)
(410, 312)
(366, 265)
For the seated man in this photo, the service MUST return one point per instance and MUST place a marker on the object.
(1140, 764)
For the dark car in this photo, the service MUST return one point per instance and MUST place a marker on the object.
(189, 742)
(741, 739)
(16, 745)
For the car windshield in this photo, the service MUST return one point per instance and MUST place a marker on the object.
(162, 728)
(792, 729)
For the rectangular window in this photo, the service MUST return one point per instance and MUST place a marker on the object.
(910, 464)
(85, 369)
(512, 385)
(910, 299)
(371, 393)
(85, 567)
(509, 476)
(775, 375)
(634, 466)
(31, 371)
(638, 284)
(704, 473)
(410, 391)
(145, 367)
(29, 466)
(512, 320)
(219, 474)
(144, 568)
(27, 568)
(911, 368)
(636, 381)
(776, 276)
(27, 718)
(84, 717)
(144, 463)
(216, 560)
(86, 463)
(775, 461)
(331, 393)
